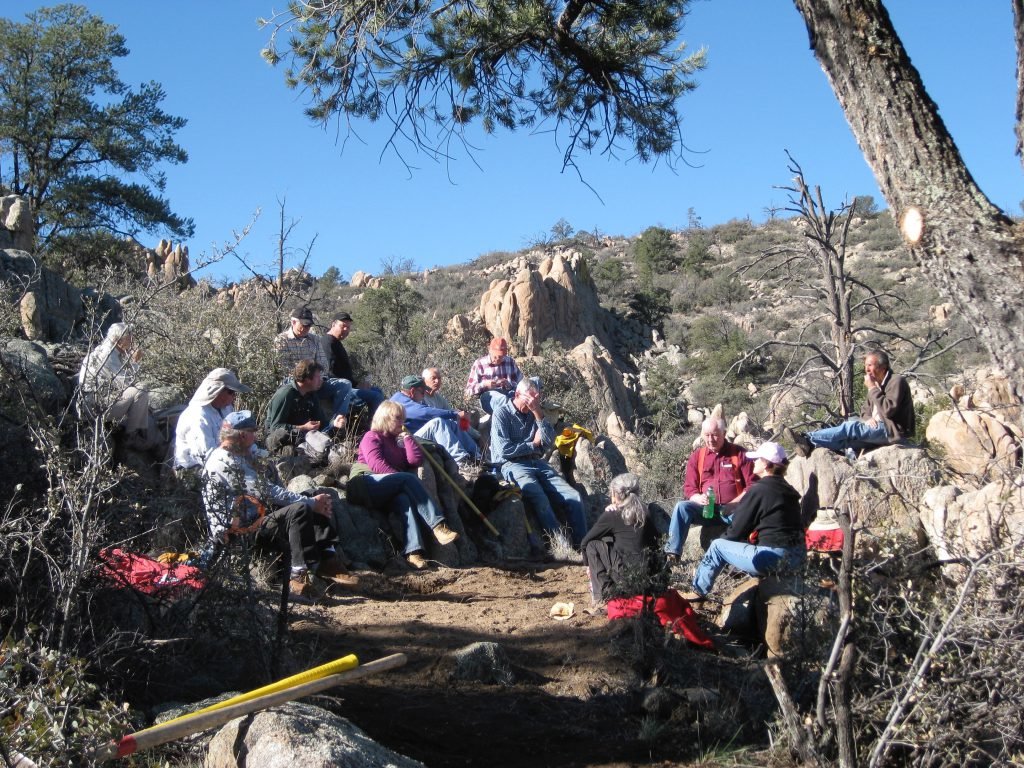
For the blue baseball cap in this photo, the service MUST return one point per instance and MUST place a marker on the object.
(241, 420)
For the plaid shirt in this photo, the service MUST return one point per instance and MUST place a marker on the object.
(482, 372)
(290, 350)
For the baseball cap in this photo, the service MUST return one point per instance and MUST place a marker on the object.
(772, 452)
(303, 314)
(411, 381)
(241, 420)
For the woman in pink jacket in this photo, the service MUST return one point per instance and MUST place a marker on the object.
(385, 479)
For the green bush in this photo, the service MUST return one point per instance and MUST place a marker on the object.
(655, 253)
(732, 231)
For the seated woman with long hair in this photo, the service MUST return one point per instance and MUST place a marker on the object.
(766, 534)
(391, 482)
(619, 545)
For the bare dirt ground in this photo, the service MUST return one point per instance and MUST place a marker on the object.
(586, 691)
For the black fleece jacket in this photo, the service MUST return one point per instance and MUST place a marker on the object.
(771, 508)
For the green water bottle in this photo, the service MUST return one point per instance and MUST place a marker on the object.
(709, 508)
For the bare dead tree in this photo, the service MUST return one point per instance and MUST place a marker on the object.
(271, 280)
(845, 315)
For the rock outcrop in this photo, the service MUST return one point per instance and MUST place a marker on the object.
(973, 523)
(16, 227)
(51, 308)
(557, 300)
(883, 490)
(982, 434)
(298, 734)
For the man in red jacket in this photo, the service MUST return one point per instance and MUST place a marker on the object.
(717, 464)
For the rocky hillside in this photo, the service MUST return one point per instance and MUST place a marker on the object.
(638, 339)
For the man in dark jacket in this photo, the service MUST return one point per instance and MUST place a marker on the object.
(887, 417)
(295, 407)
(339, 364)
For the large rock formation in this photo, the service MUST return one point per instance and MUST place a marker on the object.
(168, 263)
(614, 407)
(972, 523)
(557, 300)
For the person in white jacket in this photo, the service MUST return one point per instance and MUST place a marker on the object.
(108, 382)
(198, 429)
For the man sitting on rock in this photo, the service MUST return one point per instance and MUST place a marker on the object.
(295, 408)
(719, 465)
(240, 500)
(339, 364)
(519, 438)
(198, 429)
(439, 425)
(297, 344)
(108, 380)
(886, 418)
(493, 377)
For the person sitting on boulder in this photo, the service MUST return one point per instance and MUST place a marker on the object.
(887, 417)
(108, 383)
(198, 429)
(439, 425)
(519, 437)
(295, 408)
(718, 465)
(339, 363)
(494, 376)
(240, 500)
(619, 548)
(384, 478)
(766, 534)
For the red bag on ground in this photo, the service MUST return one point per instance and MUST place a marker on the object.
(148, 576)
(672, 611)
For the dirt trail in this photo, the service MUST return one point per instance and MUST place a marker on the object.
(576, 699)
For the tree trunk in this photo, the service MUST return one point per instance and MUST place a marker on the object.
(969, 248)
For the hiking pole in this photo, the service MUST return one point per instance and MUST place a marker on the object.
(218, 715)
(437, 466)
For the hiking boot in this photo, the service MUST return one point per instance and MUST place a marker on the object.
(301, 591)
(331, 566)
(415, 559)
(334, 571)
(444, 534)
(800, 441)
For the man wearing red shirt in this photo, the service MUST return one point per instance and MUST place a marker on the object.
(717, 464)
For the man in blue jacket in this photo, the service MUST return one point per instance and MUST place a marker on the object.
(519, 438)
(439, 425)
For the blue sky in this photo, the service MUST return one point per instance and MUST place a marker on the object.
(761, 94)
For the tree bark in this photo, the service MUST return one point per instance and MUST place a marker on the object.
(969, 248)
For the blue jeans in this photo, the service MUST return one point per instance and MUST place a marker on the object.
(406, 500)
(539, 483)
(491, 397)
(685, 514)
(749, 558)
(371, 397)
(852, 433)
(446, 433)
(340, 392)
